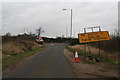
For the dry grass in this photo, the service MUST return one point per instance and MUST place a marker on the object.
(95, 51)
(18, 47)
(13, 47)
(13, 52)
(84, 70)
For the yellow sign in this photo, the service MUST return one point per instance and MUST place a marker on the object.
(93, 36)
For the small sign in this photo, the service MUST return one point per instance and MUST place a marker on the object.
(39, 39)
(93, 36)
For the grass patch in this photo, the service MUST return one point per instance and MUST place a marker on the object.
(87, 62)
(84, 53)
(110, 61)
(14, 58)
(70, 49)
(9, 53)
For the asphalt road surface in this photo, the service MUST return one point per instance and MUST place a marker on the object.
(49, 63)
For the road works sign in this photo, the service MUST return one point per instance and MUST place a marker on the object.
(93, 36)
(39, 39)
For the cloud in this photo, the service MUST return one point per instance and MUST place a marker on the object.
(60, 0)
(54, 20)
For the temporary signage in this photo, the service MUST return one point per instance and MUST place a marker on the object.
(39, 39)
(93, 36)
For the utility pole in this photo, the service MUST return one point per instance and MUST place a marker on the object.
(24, 30)
(27, 29)
(66, 32)
(71, 24)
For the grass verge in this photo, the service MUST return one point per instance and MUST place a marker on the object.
(14, 58)
(103, 59)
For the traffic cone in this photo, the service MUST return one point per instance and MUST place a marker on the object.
(76, 59)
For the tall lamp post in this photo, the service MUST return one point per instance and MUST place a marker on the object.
(70, 22)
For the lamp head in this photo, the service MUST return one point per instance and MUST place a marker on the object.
(64, 9)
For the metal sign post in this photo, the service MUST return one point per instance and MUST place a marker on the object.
(92, 28)
(93, 36)
(85, 43)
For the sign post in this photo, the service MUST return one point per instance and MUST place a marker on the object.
(93, 36)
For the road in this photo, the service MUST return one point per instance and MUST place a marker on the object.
(49, 63)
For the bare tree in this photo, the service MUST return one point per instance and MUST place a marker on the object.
(8, 34)
(31, 34)
(39, 31)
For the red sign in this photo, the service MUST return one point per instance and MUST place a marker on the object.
(39, 39)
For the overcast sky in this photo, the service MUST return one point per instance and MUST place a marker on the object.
(54, 20)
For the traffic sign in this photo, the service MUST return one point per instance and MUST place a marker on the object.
(39, 39)
(93, 36)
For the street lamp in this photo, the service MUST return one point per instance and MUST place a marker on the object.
(70, 22)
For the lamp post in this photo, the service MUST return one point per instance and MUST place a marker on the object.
(70, 22)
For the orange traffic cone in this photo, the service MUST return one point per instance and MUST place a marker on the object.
(76, 59)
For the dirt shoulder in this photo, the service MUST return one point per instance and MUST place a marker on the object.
(97, 51)
(97, 70)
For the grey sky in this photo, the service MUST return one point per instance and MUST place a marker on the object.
(54, 20)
